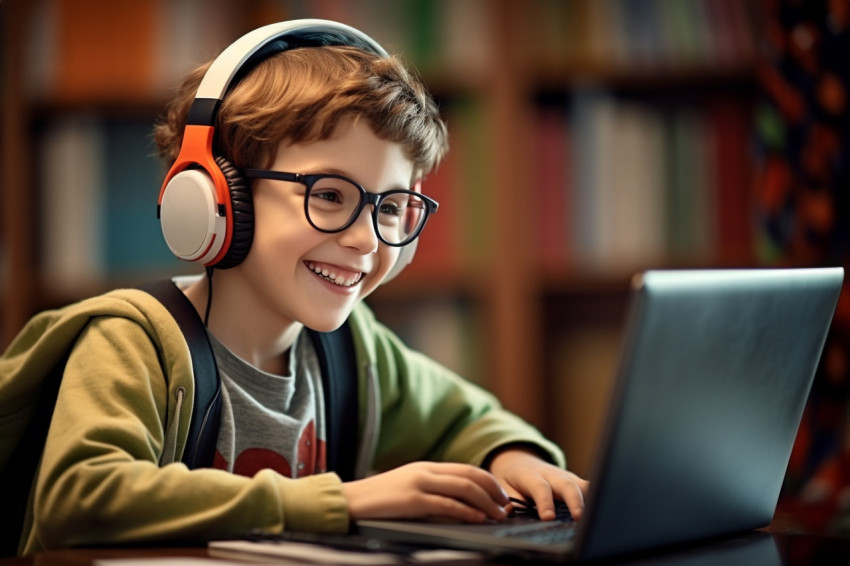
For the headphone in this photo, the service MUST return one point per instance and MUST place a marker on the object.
(205, 206)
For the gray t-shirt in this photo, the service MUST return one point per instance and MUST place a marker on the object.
(271, 421)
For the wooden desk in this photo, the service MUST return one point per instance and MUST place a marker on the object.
(756, 548)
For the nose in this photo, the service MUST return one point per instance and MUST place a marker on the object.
(361, 234)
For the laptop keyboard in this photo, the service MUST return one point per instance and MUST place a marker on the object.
(560, 531)
(527, 508)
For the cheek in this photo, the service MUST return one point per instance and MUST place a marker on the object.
(387, 257)
(279, 221)
(282, 246)
(279, 242)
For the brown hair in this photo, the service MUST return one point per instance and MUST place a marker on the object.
(301, 95)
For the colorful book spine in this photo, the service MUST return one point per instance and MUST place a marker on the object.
(730, 136)
(551, 188)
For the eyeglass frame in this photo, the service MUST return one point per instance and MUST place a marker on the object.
(366, 198)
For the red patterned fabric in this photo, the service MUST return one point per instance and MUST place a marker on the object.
(803, 128)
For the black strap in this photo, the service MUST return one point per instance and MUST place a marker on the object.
(17, 479)
(337, 360)
(206, 416)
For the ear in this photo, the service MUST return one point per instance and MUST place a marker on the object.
(408, 251)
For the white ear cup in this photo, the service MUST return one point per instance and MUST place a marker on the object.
(191, 224)
(404, 258)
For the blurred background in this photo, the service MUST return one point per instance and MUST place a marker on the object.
(590, 139)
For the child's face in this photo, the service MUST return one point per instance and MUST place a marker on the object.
(280, 269)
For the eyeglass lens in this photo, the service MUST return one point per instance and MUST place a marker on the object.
(334, 203)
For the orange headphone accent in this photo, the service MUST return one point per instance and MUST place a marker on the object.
(196, 150)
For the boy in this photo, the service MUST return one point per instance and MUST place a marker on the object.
(322, 143)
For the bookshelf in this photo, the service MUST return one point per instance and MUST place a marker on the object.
(16, 237)
(590, 139)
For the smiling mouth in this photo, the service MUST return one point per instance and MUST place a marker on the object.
(347, 279)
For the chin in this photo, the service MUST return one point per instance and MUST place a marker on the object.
(326, 324)
(323, 328)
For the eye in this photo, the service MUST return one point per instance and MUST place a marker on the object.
(389, 208)
(333, 191)
(329, 195)
(394, 204)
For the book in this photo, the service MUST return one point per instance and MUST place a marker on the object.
(691, 188)
(633, 203)
(474, 196)
(99, 184)
(71, 158)
(422, 23)
(589, 112)
(618, 164)
(729, 134)
(186, 36)
(464, 38)
(438, 249)
(97, 59)
(551, 188)
(582, 369)
(131, 176)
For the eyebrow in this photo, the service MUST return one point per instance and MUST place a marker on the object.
(329, 171)
(341, 173)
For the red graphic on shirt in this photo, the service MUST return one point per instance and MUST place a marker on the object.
(310, 453)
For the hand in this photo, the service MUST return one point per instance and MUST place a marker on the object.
(428, 489)
(525, 475)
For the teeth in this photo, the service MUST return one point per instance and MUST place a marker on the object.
(334, 277)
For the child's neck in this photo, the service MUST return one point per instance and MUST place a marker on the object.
(260, 341)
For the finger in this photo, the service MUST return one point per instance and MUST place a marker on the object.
(573, 492)
(480, 476)
(512, 492)
(557, 483)
(541, 492)
(467, 491)
(441, 507)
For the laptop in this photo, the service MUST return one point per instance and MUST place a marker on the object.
(714, 373)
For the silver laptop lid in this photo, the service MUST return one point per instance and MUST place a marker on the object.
(714, 375)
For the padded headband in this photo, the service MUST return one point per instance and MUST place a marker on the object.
(244, 54)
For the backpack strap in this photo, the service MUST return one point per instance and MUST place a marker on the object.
(206, 414)
(338, 363)
(17, 478)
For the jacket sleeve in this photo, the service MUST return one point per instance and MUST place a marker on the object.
(100, 482)
(430, 413)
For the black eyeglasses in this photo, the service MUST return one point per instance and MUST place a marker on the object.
(332, 203)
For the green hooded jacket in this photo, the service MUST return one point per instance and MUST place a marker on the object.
(111, 473)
